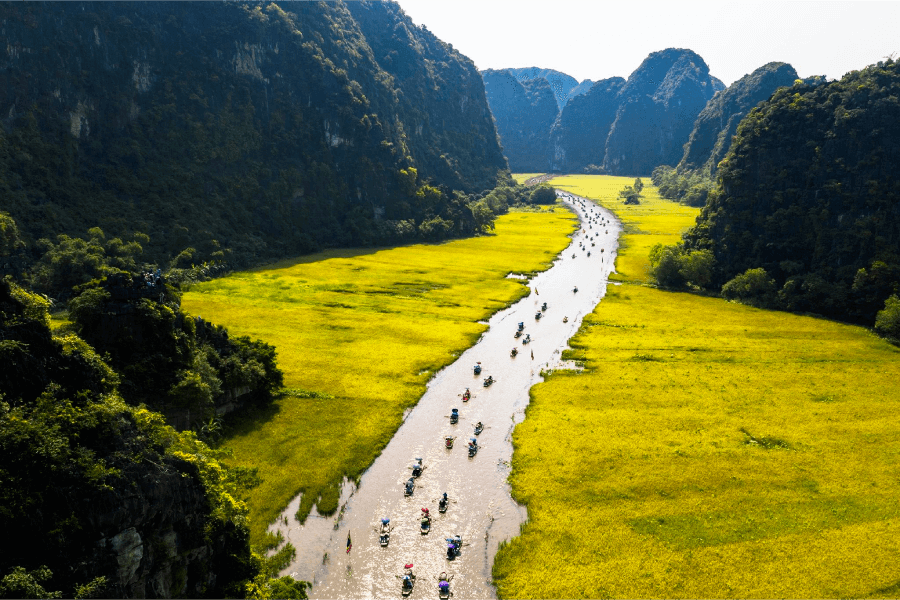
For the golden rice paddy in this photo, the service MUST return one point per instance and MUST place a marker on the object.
(708, 450)
(358, 334)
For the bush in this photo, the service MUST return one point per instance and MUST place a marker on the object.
(665, 266)
(543, 194)
(674, 267)
(753, 286)
(697, 267)
(887, 321)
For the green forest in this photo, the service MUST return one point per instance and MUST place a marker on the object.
(321, 124)
(803, 215)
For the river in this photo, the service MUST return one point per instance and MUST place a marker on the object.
(481, 508)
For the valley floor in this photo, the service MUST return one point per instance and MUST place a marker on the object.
(709, 449)
(358, 334)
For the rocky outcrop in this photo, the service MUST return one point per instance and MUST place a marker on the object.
(614, 126)
(578, 136)
(657, 109)
(524, 112)
(148, 535)
(564, 86)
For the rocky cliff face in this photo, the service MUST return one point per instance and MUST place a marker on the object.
(263, 128)
(718, 121)
(657, 109)
(614, 126)
(564, 86)
(524, 112)
(578, 136)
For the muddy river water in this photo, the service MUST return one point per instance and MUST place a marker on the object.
(481, 509)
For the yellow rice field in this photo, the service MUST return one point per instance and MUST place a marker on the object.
(358, 334)
(523, 177)
(708, 450)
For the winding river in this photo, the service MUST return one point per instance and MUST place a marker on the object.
(481, 509)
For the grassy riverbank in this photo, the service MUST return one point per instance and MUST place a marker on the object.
(358, 334)
(709, 449)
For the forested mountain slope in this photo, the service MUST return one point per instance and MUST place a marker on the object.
(717, 122)
(810, 192)
(578, 137)
(714, 128)
(100, 499)
(524, 112)
(657, 109)
(259, 129)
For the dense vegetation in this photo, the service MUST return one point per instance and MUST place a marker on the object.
(524, 112)
(708, 449)
(99, 498)
(714, 128)
(240, 130)
(808, 193)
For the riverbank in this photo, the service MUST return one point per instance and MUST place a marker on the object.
(481, 509)
(359, 333)
(709, 449)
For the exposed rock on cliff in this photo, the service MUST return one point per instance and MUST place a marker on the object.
(657, 109)
(524, 112)
(578, 137)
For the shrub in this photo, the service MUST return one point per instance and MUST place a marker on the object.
(543, 194)
(887, 321)
(665, 266)
(753, 286)
(674, 267)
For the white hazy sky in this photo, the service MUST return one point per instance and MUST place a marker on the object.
(591, 39)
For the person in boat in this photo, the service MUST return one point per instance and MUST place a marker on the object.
(467, 394)
(479, 426)
(565, 319)
(444, 499)
(385, 525)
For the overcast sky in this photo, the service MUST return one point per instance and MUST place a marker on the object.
(594, 39)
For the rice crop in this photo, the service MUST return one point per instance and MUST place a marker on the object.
(523, 177)
(358, 334)
(708, 449)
